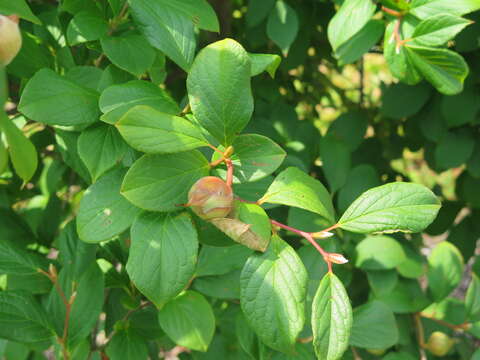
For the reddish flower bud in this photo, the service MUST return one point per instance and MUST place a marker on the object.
(10, 40)
(335, 258)
(210, 198)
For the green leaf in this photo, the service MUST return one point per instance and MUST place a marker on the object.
(445, 270)
(162, 182)
(414, 265)
(264, 62)
(360, 179)
(350, 128)
(16, 260)
(130, 52)
(273, 289)
(54, 100)
(126, 344)
(335, 156)
(245, 336)
(101, 148)
(454, 149)
(407, 297)
(399, 62)
(460, 109)
(226, 286)
(391, 207)
(112, 75)
(292, 187)
(221, 260)
(87, 76)
(66, 143)
(23, 319)
(379, 252)
(199, 12)
(73, 252)
(472, 299)
(20, 8)
(167, 29)
(116, 100)
(254, 158)
(438, 29)
(331, 318)
(188, 320)
(257, 218)
(163, 255)
(3, 158)
(151, 131)
(103, 212)
(374, 326)
(360, 43)
(282, 25)
(444, 69)
(86, 308)
(427, 8)
(86, 26)
(473, 164)
(352, 16)
(258, 11)
(221, 101)
(382, 281)
(209, 234)
(22, 152)
(413, 99)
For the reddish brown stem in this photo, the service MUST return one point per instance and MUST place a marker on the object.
(392, 12)
(310, 239)
(52, 275)
(229, 164)
(215, 149)
(463, 326)
(420, 335)
(330, 228)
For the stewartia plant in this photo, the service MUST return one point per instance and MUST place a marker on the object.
(165, 193)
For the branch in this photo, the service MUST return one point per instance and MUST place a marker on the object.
(327, 256)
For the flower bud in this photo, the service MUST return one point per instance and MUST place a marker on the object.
(335, 258)
(10, 40)
(210, 198)
(439, 343)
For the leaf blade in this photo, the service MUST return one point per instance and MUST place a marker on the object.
(221, 101)
(331, 318)
(277, 267)
(308, 194)
(162, 255)
(154, 132)
(391, 207)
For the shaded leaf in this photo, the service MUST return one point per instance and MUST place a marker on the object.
(162, 255)
(162, 182)
(188, 320)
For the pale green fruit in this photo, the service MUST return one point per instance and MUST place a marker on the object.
(439, 343)
(10, 40)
